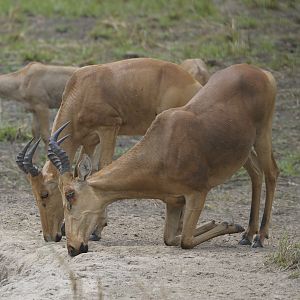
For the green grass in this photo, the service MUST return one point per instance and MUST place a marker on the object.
(286, 256)
(171, 30)
(97, 8)
(289, 164)
(247, 22)
(268, 4)
(119, 151)
(11, 133)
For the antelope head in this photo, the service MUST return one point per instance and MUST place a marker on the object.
(46, 192)
(81, 216)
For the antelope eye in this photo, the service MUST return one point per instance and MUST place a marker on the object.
(44, 195)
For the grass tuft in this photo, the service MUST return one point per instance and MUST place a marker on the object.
(287, 256)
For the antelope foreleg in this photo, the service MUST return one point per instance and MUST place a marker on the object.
(43, 118)
(108, 136)
(174, 220)
(219, 229)
(204, 228)
(193, 207)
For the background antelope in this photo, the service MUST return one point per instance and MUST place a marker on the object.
(39, 88)
(186, 152)
(103, 101)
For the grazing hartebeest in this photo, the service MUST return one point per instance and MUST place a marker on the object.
(103, 101)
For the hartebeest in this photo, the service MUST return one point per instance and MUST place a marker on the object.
(186, 152)
(103, 101)
(39, 88)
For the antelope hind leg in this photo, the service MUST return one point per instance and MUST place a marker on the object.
(255, 172)
(265, 155)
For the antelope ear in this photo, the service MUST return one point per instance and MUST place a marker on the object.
(84, 168)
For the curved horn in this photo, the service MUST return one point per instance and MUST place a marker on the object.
(21, 155)
(56, 155)
(55, 135)
(28, 165)
(63, 138)
(53, 157)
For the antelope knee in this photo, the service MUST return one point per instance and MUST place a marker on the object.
(187, 243)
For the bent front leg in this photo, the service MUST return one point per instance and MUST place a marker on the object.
(217, 230)
(193, 207)
(173, 224)
(192, 236)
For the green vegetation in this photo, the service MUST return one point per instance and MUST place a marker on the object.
(287, 256)
(120, 151)
(97, 8)
(269, 4)
(94, 31)
(289, 165)
(11, 133)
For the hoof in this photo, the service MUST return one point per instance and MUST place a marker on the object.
(257, 243)
(95, 238)
(245, 241)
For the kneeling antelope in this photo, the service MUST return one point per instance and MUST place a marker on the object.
(186, 152)
(103, 101)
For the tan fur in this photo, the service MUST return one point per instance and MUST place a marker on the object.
(184, 154)
(104, 101)
(197, 68)
(39, 87)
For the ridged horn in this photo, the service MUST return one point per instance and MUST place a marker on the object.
(28, 165)
(55, 135)
(21, 155)
(57, 155)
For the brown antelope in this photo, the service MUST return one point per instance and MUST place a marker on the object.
(186, 152)
(103, 101)
(197, 68)
(39, 87)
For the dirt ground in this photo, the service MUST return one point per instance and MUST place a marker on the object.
(131, 260)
